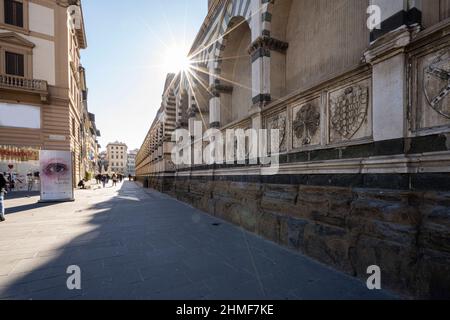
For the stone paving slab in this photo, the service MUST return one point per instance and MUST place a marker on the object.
(132, 243)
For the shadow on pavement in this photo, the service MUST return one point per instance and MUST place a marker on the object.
(144, 245)
(27, 207)
(21, 194)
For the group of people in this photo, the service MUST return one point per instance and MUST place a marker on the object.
(12, 181)
(105, 178)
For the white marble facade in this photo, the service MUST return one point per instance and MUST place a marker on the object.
(353, 89)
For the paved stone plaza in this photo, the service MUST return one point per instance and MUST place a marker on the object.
(132, 243)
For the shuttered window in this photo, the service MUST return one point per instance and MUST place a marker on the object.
(14, 13)
(14, 64)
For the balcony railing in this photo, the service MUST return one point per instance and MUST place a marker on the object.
(23, 84)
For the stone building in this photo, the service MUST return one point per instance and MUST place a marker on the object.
(117, 156)
(154, 156)
(131, 162)
(364, 122)
(43, 92)
(91, 145)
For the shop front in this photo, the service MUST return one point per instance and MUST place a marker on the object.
(21, 167)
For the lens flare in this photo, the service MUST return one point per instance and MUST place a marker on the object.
(176, 59)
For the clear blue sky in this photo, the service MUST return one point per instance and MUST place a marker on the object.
(125, 60)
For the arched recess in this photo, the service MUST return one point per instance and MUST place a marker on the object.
(235, 73)
(326, 38)
(199, 80)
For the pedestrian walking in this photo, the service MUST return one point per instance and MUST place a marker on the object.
(114, 179)
(2, 197)
(11, 182)
(30, 182)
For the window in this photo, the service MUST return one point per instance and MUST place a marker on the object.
(14, 13)
(15, 64)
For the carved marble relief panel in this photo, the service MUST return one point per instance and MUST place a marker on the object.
(432, 89)
(350, 113)
(306, 123)
(279, 122)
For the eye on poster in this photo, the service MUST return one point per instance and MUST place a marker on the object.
(56, 176)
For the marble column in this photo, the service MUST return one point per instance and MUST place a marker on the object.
(386, 54)
(261, 50)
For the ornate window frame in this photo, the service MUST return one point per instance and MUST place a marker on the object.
(11, 42)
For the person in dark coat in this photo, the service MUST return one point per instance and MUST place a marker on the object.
(2, 197)
(82, 184)
(12, 182)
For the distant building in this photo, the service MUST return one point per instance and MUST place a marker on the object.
(117, 157)
(102, 163)
(131, 162)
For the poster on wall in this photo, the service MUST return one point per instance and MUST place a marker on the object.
(56, 176)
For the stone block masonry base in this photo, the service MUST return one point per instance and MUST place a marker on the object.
(406, 233)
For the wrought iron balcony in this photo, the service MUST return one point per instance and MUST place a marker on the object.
(16, 83)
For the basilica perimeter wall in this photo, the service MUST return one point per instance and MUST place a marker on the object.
(364, 120)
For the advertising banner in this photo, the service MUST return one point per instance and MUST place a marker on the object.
(56, 176)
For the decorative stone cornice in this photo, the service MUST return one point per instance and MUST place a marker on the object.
(214, 125)
(218, 88)
(14, 38)
(192, 111)
(181, 124)
(390, 44)
(268, 43)
(261, 99)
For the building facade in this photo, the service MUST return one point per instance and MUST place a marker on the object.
(131, 162)
(363, 117)
(43, 92)
(154, 156)
(117, 157)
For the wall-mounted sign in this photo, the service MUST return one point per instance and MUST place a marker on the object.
(18, 154)
(55, 137)
(56, 176)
